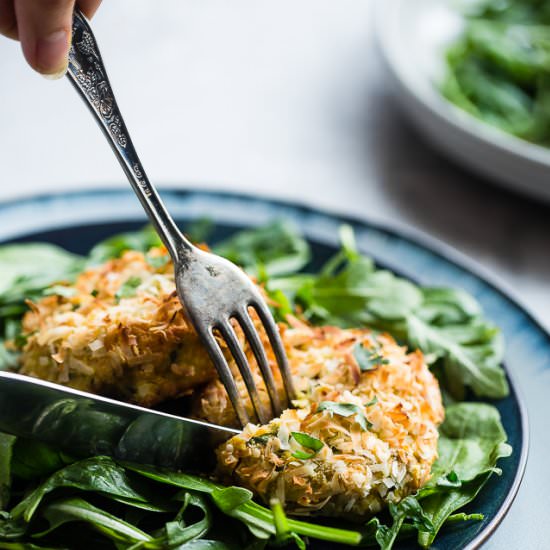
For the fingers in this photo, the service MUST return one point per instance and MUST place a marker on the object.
(88, 7)
(44, 28)
(8, 23)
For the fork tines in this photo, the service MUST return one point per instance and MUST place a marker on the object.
(264, 412)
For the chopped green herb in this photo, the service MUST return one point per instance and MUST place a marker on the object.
(260, 439)
(95, 293)
(157, 262)
(128, 289)
(368, 359)
(346, 410)
(308, 442)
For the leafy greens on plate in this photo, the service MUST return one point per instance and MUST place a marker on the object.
(47, 498)
(499, 69)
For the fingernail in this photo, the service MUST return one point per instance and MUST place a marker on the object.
(51, 54)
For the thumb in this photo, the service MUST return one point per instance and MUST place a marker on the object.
(45, 32)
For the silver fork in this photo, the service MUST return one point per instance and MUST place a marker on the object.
(213, 291)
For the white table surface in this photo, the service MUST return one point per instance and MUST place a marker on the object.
(286, 99)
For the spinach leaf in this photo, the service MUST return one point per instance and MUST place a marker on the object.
(98, 474)
(237, 503)
(440, 504)
(178, 531)
(407, 509)
(274, 249)
(471, 442)
(32, 459)
(26, 270)
(498, 68)
(6, 449)
(66, 510)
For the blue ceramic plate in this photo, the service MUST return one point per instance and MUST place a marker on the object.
(77, 221)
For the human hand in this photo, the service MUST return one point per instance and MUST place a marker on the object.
(44, 29)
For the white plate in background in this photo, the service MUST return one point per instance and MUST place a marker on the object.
(413, 36)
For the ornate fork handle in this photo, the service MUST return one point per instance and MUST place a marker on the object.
(87, 74)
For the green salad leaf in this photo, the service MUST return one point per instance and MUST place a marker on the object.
(499, 68)
(471, 441)
(447, 325)
(273, 249)
(67, 510)
(115, 246)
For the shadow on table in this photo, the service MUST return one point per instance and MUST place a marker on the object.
(486, 221)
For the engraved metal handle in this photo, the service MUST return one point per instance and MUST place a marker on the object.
(87, 74)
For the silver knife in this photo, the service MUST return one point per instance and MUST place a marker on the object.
(83, 424)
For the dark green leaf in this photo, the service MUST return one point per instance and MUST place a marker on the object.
(99, 474)
(439, 505)
(407, 509)
(179, 532)
(33, 459)
(66, 510)
(6, 449)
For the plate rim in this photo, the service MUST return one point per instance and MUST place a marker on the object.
(401, 230)
(451, 115)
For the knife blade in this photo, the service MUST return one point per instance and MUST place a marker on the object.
(83, 424)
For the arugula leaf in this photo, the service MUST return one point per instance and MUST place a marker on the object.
(470, 355)
(115, 246)
(275, 249)
(346, 410)
(447, 325)
(407, 509)
(28, 268)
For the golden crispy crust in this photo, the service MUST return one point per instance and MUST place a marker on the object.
(357, 470)
(136, 345)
